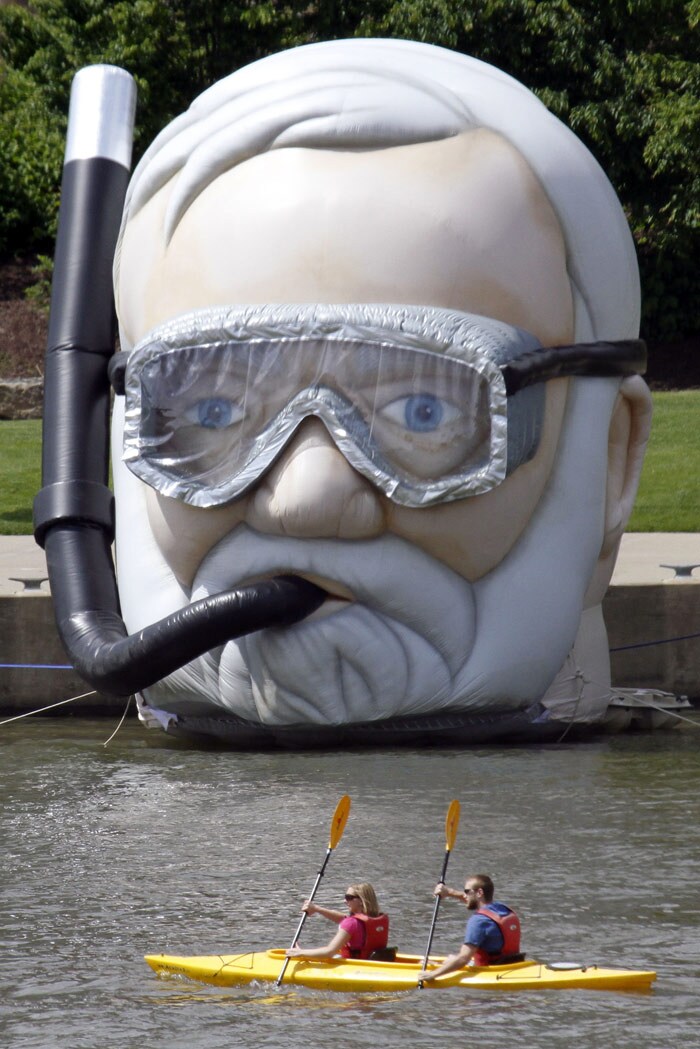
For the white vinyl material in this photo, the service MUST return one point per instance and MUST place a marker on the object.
(408, 629)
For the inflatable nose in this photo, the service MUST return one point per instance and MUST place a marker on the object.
(312, 491)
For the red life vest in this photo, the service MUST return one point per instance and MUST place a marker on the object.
(376, 936)
(509, 924)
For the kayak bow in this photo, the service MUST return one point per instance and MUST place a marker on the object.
(347, 974)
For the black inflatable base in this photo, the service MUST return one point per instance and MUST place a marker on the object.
(444, 730)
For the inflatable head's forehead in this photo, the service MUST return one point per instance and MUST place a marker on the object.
(374, 94)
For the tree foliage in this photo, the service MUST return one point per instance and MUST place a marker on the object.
(623, 74)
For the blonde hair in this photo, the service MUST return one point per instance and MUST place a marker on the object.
(369, 898)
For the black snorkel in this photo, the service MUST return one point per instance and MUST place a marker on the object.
(74, 510)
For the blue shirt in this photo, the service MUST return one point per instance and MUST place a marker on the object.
(483, 933)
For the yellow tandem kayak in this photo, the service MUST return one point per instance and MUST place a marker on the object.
(343, 974)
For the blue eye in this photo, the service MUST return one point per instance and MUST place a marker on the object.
(213, 413)
(423, 412)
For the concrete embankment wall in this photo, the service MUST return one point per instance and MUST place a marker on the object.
(635, 615)
(28, 636)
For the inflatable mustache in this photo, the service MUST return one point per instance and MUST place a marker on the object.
(74, 510)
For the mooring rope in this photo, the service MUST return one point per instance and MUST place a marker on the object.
(648, 644)
(579, 675)
(655, 706)
(126, 710)
(35, 666)
(62, 702)
(643, 702)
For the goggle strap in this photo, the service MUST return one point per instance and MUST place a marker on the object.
(600, 360)
(590, 359)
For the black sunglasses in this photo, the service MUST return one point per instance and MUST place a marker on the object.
(349, 896)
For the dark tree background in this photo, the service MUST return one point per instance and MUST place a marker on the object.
(623, 74)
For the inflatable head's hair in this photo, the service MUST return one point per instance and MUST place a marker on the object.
(375, 94)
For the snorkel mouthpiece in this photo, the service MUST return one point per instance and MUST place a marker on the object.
(74, 510)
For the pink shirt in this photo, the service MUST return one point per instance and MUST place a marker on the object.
(356, 928)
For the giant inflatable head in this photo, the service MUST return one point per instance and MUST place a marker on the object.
(340, 281)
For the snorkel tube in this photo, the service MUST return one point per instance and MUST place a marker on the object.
(74, 510)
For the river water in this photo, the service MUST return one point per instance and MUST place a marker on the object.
(140, 846)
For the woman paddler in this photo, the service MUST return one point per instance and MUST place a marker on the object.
(360, 933)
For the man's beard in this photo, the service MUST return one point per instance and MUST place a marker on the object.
(417, 638)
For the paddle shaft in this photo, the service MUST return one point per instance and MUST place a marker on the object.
(337, 828)
(436, 908)
(451, 824)
(304, 916)
(340, 818)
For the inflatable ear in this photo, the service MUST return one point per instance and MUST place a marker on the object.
(581, 689)
(629, 433)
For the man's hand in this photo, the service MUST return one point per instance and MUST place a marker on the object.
(441, 890)
(451, 964)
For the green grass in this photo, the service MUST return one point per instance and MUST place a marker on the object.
(668, 499)
(20, 474)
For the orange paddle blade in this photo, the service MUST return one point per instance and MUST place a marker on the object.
(451, 824)
(340, 818)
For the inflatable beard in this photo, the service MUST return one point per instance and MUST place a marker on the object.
(316, 637)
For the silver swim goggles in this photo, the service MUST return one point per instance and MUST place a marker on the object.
(430, 405)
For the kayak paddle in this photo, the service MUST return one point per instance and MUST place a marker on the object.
(451, 824)
(340, 818)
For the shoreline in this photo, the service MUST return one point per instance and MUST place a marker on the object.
(650, 609)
